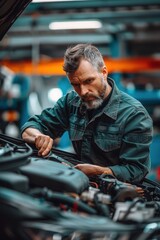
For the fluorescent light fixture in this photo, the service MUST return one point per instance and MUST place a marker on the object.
(75, 25)
(44, 1)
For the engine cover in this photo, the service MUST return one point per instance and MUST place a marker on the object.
(55, 176)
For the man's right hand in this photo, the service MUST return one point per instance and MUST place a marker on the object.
(42, 142)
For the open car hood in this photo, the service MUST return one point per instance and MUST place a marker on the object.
(9, 12)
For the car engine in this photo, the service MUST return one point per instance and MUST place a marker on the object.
(47, 198)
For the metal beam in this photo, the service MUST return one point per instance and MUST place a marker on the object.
(90, 4)
(123, 16)
(54, 66)
(20, 40)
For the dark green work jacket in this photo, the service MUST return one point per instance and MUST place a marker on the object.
(118, 136)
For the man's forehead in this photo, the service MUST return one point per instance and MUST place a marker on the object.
(74, 79)
(83, 76)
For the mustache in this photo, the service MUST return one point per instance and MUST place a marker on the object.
(85, 97)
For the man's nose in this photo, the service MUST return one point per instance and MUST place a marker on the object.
(84, 90)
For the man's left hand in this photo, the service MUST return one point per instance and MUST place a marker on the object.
(91, 170)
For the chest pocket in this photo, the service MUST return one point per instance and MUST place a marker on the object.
(76, 130)
(108, 138)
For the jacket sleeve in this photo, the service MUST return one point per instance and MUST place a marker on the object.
(134, 155)
(52, 121)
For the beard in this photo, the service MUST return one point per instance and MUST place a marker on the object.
(97, 102)
(93, 104)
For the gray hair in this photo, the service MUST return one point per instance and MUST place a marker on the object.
(74, 55)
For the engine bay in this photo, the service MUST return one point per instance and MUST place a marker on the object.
(47, 198)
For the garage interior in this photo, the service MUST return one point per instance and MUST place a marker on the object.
(47, 197)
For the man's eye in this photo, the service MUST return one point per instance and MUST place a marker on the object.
(89, 81)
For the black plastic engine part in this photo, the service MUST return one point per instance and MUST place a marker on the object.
(118, 190)
(55, 176)
(14, 152)
(14, 206)
(14, 181)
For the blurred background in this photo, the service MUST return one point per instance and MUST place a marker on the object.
(31, 57)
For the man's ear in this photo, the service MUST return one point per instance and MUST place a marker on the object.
(105, 71)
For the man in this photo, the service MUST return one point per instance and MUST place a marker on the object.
(110, 131)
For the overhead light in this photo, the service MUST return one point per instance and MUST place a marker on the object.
(75, 25)
(40, 1)
(54, 94)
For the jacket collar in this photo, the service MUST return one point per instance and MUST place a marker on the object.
(111, 109)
